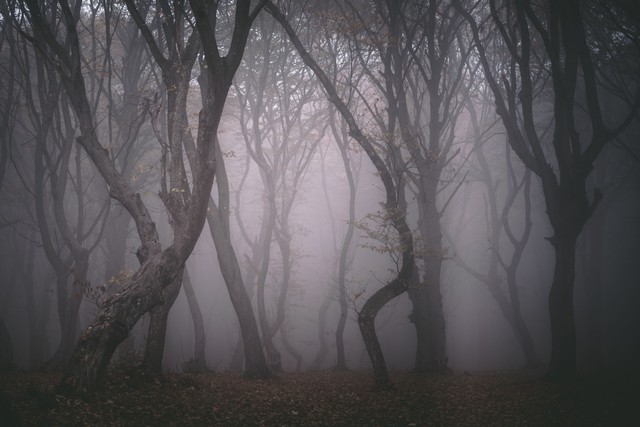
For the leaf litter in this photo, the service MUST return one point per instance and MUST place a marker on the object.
(325, 398)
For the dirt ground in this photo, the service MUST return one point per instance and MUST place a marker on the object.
(324, 399)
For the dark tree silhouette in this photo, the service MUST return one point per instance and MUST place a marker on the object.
(552, 37)
(187, 207)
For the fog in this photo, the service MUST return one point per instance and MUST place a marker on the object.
(282, 143)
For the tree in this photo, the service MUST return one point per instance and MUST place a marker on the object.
(186, 207)
(394, 212)
(552, 37)
(425, 82)
(503, 289)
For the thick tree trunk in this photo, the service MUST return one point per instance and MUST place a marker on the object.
(119, 314)
(561, 311)
(157, 333)
(426, 298)
(116, 243)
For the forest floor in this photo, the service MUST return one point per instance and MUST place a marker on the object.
(323, 399)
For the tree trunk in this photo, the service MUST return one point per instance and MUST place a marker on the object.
(427, 312)
(367, 317)
(198, 362)
(218, 220)
(119, 314)
(69, 311)
(255, 363)
(269, 218)
(561, 311)
(594, 241)
(157, 333)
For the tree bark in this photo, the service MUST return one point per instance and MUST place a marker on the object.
(119, 314)
(218, 220)
(198, 362)
(156, 335)
(561, 311)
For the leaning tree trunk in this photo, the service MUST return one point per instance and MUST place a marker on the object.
(255, 363)
(118, 315)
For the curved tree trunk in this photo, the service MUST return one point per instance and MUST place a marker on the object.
(118, 315)
(367, 317)
(341, 138)
(255, 363)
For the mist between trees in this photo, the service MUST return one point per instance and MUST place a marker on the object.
(286, 186)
